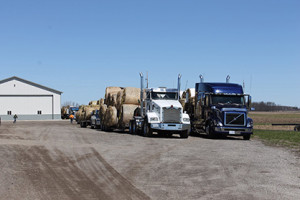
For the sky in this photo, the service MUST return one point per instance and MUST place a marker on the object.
(81, 47)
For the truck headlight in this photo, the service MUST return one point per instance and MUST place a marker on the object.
(250, 123)
(186, 119)
(153, 119)
(219, 124)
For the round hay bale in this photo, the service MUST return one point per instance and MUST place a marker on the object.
(183, 96)
(119, 100)
(100, 102)
(126, 114)
(88, 112)
(92, 103)
(182, 101)
(111, 90)
(114, 100)
(81, 113)
(190, 93)
(102, 111)
(111, 119)
(131, 95)
(78, 113)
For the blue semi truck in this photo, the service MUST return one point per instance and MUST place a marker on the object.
(220, 109)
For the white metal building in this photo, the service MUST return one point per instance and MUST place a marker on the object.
(30, 101)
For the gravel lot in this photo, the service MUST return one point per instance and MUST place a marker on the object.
(59, 160)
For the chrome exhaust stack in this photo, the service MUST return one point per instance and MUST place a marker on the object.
(227, 79)
(178, 86)
(201, 78)
(142, 92)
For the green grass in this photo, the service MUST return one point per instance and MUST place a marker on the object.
(276, 115)
(289, 139)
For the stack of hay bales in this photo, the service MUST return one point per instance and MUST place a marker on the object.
(119, 106)
(128, 103)
(88, 110)
(111, 95)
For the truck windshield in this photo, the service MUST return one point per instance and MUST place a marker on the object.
(164, 95)
(224, 99)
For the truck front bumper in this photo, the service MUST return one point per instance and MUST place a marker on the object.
(170, 127)
(238, 131)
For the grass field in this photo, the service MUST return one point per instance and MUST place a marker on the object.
(277, 135)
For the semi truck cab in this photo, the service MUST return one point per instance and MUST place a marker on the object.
(222, 109)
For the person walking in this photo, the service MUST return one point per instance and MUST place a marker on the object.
(71, 117)
(15, 118)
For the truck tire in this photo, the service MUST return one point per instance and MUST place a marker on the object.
(246, 137)
(147, 130)
(184, 134)
(134, 129)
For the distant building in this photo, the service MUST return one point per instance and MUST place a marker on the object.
(30, 101)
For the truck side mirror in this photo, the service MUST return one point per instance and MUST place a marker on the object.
(249, 101)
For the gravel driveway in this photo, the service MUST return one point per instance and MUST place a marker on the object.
(59, 160)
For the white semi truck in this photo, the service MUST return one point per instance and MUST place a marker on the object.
(160, 111)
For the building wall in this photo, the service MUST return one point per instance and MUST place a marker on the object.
(26, 100)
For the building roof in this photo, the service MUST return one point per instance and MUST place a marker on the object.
(30, 83)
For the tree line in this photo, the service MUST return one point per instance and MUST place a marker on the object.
(271, 106)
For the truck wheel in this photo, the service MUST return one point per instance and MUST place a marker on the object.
(134, 130)
(184, 134)
(130, 127)
(147, 130)
(246, 137)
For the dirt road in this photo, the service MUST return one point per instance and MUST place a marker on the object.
(59, 160)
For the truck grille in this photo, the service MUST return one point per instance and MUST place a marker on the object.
(171, 115)
(234, 119)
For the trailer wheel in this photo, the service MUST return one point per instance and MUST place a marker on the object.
(147, 130)
(184, 134)
(246, 137)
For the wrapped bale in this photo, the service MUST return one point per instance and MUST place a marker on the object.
(111, 91)
(111, 119)
(131, 95)
(126, 114)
